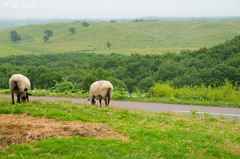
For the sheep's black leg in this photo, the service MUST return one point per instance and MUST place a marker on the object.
(106, 104)
(108, 100)
(19, 97)
(93, 101)
(27, 97)
(100, 102)
(12, 97)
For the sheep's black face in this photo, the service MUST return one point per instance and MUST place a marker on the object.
(24, 99)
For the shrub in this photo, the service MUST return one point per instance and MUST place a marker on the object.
(66, 86)
(117, 83)
(145, 84)
(162, 90)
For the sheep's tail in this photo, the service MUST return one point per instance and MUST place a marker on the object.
(15, 82)
(109, 94)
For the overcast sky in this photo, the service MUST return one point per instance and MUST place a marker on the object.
(99, 9)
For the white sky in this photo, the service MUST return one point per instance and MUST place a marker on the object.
(100, 9)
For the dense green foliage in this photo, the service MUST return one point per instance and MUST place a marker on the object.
(46, 38)
(112, 21)
(48, 32)
(136, 20)
(72, 29)
(202, 67)
(15, 36)
(226, 92)
(86, 24)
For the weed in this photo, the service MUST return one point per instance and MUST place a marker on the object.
(222, 117)
(193, 112)
(235, 119)
(207, 115)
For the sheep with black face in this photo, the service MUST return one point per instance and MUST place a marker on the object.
(20, 85)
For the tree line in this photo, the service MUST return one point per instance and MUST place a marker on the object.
(208, 66)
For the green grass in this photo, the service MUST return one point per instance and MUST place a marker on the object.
(160, 36)
(224, 96)
(7, 50)
(153, 135)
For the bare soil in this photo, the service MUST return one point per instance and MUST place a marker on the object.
(21, 129)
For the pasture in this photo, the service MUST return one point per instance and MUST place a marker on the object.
(138, 134)
(149, 37)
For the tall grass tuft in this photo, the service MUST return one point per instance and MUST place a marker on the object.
(163, 90)
(227, 92)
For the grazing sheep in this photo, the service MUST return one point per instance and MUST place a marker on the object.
(21, 85)
(101, 90)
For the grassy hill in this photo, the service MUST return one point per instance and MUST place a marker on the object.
(135, 37)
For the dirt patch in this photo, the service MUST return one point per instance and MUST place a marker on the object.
(21, 129)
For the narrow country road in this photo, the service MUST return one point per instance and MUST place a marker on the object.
(230, 113)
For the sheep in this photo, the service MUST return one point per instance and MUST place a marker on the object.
(21, 85)
(101, 90)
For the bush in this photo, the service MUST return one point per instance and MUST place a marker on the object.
(46, 38)
(48, 32)
(66, 86)
(227, 92)
(117, 83)
(162, 90)
(145, 84)
(95, 75)
(72, 29)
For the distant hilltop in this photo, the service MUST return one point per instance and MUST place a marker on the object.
(12, 23)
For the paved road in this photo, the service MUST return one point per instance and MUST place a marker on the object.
(230, 113)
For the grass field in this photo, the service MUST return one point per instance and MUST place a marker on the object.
(152, 135)
(8, 50)
(135, 37)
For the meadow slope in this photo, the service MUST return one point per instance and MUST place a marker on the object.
(135, 37)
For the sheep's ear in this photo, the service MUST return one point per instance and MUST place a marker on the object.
(29, 94)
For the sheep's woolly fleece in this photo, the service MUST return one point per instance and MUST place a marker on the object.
(21, 129)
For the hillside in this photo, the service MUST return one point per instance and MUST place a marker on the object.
(135, 37)
(206, 66)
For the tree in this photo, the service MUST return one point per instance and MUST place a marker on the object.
(113, 21)
(49, 32)
(95, 75)
(14, 36)
(108, 44)
(33, 74)
(72, 29)
(117, 83)
(47, 80)
(136, 20)
(86, 24)
(145, 84)
(46, 38)
(13, 32)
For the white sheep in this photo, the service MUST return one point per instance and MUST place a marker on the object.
(20, 85)
(101, 90)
